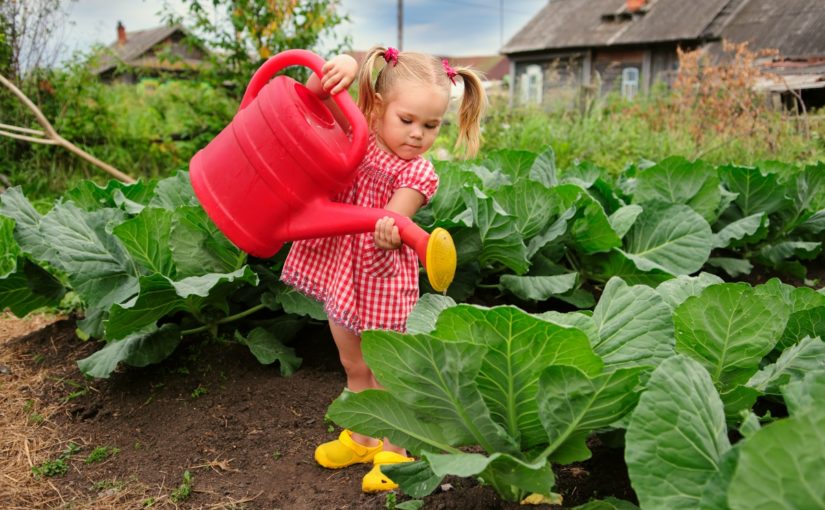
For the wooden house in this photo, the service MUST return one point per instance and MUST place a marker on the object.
(628, 45)
(151, 52)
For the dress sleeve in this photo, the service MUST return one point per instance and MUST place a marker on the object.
(419, 175)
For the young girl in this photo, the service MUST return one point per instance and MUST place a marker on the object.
(370, 281)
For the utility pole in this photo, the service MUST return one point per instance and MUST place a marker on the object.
(500, 23)
(400, 25)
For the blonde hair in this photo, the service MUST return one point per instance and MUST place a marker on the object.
(427, 68)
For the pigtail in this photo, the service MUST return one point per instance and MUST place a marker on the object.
(473, 104)
(366, 91)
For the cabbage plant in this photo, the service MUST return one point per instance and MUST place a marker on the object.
(494, 393)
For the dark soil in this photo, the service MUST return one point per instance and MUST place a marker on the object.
(245, 433)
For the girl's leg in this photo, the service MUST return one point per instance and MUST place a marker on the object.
(359, 376)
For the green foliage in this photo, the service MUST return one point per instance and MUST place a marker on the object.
(199, 392)
(614, 133)
(58, 466)
(146, 130)
(524, 226)
(244, 33)
(391, 503)
(679, 455)
(100, 454)
(729, 328)
(162, 270)
(5, 49)
(149, 269)
(183, 491)
(679, 387)
(523, 391)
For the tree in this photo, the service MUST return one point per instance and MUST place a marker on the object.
(31, 34)
(244, 33)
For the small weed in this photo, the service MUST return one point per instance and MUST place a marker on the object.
(182, 370)
(391, 503)
(75, 394)
(38, 358)
(199, 392)
(117, 485)
(101, 453)
(58, 466)
(276, 455)
(148, 502)
(138, 445)
(153, 390)
(330, 424)
(80, 388)
(35, 418)
(185, 490)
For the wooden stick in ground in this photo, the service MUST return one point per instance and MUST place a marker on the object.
(50, 136)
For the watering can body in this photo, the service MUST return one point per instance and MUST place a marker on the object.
(268, 177)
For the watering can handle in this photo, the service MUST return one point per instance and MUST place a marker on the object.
(309, 59)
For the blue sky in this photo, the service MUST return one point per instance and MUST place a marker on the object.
(447, 27)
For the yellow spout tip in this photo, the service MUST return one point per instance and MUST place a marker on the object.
(441, 259)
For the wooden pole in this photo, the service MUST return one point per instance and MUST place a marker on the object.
(400, 25)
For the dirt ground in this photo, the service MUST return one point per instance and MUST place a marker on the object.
(244, 433)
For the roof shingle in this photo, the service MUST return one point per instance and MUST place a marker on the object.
(593, 23)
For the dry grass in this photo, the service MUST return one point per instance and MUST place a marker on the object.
(29, 437)
(23, 442)
(11, 327)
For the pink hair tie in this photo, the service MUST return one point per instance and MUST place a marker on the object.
(449, 70)
(391, 55)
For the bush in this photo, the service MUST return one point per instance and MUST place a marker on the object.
(146, 130)
(711, 113)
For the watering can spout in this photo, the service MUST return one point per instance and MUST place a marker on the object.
(322, 218)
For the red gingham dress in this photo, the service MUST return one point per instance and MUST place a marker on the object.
(363, 287)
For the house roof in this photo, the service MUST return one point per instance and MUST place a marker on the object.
(592, 23)
(137, 43)
(794, 27)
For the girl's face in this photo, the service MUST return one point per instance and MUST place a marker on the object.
(409, 117)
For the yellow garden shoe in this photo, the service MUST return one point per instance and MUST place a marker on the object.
(375, 480)
(344, 452)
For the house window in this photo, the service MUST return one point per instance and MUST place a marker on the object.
(630, 82)
(532, 85)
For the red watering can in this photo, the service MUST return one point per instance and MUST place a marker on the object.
(268, 177)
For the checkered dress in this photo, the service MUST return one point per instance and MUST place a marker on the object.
(363, 287)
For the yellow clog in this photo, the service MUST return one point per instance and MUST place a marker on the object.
(375, 480)
(344, 452)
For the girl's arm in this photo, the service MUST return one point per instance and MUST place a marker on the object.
(339, 73)
(404, 201)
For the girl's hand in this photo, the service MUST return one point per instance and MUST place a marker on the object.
(386, 234)
(339, 73)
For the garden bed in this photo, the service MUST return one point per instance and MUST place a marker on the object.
(243, 432)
